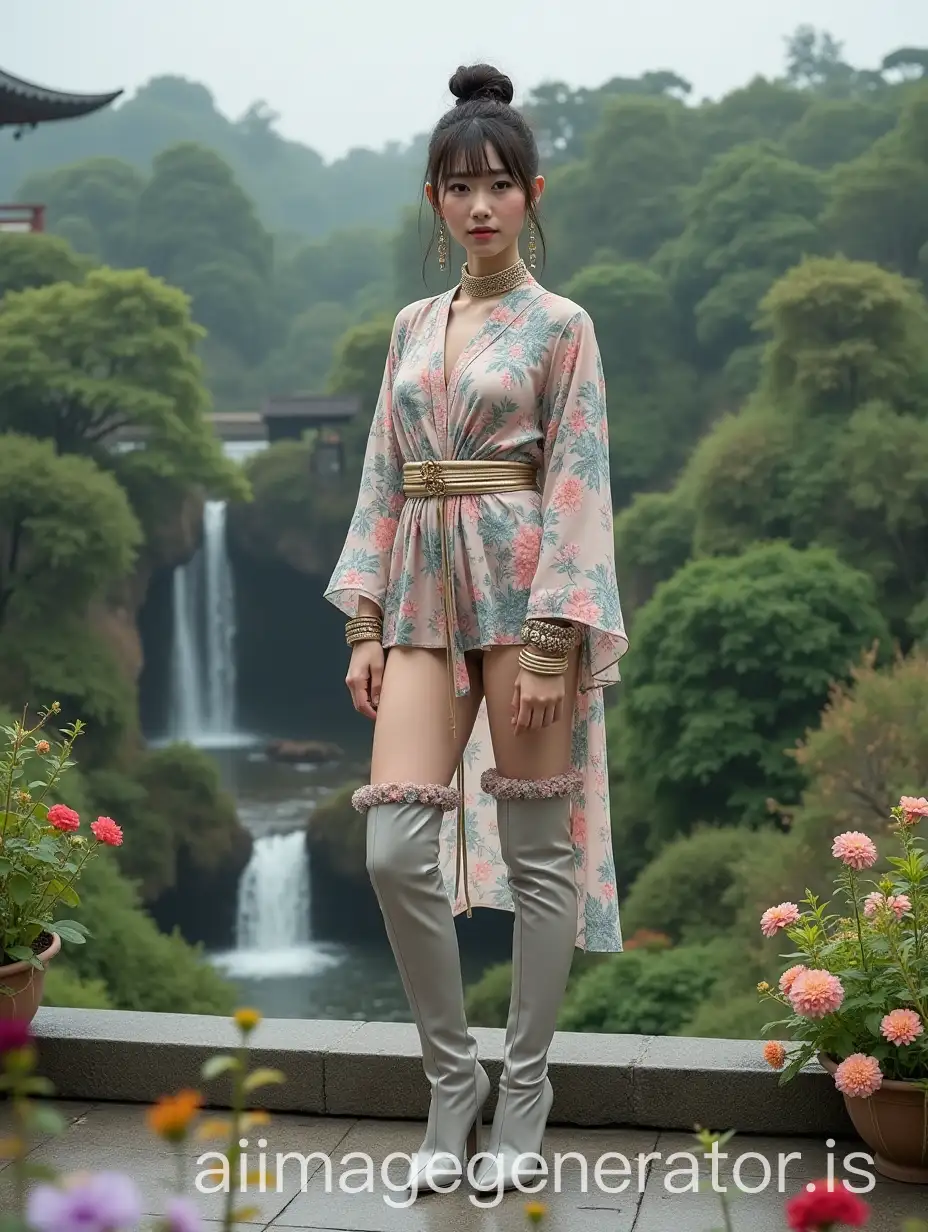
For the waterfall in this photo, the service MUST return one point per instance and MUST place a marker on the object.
(273, 897)
(202, 709)
(272, 929)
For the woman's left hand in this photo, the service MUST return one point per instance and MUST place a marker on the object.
(537, 700)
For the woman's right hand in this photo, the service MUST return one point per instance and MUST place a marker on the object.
(365, 674)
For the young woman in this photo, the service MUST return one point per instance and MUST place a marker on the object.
(480, 556)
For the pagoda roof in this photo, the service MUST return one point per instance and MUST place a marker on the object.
(22, 103)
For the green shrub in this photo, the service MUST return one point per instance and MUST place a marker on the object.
(646, 992)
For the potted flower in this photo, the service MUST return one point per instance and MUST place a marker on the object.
(42, 855)
(856, 989)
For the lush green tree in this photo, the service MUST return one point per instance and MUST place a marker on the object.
(334, 270)
(80, 362)
(358, 368)
(653, 538)
(96, 198)
(287, 498)
(65, 656)
(838, 131)
(870, 748)
(844, 333)
(192, 212)
(760, 111)
(140, 967)
(172, 802)
(66, 529)
(654, 409)
(752, 216)
(687, 891)
(302, 363)
(36, 261)
(734, 657)
(627, 193)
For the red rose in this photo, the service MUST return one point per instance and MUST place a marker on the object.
(63, 818)
(107, 831)
(819, 1206)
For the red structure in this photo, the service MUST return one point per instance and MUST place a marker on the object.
(22, 217)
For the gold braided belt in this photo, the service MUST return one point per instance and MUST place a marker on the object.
(442, 480)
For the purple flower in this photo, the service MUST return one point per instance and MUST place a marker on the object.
(98, 1202)
(182, 1216)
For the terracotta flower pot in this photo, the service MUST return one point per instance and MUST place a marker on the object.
(26, 984)
(893, 1122)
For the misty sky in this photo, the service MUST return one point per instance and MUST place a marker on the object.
(343, 73)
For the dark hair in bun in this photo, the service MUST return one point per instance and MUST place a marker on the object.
(483, 115)
(480, 81)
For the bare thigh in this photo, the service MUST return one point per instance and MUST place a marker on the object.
(539, 752)
(413, 741)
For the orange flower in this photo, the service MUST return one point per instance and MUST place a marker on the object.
(170, 1117)
(774, 1054)
(247, 1018)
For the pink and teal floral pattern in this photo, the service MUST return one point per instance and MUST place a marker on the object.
(529, 388)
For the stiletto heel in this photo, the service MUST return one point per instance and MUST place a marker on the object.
(473, 1138)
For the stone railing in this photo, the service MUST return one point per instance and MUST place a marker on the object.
(373, 1069)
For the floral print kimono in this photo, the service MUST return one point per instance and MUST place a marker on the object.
(527, 388)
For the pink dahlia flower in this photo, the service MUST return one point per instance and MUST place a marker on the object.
(786, 979)
(913, 807)
(859, 1075)
(815, 993)
(775, 918)
(901, 1027)
(855, 850)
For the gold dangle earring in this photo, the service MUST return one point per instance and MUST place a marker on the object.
(531, 243)
(442, 246)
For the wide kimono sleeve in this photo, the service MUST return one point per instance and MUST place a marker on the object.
(363, 567)
(576, 576)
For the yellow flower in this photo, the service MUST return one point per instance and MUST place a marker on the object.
(216, 1127)
(170, 1117)
(247, 1018)
(535, 1211)
(763, 986)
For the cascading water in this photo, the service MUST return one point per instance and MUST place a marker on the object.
(202, 708)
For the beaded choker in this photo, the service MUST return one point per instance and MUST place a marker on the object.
(487, 285)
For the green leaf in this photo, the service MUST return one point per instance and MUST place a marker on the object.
(263, 1077)
(75, 926)
(20, 952)
(19, 889)
(215, 1066)
(68, 934)
(5, 866)
(872, 1022)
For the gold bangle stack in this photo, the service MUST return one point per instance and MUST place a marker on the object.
(364, 629)
(544, 665)
(553, 639)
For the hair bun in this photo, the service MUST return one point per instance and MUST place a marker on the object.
(480, 81)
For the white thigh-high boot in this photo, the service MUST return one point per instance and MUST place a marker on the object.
(534, 830)
(403, 825)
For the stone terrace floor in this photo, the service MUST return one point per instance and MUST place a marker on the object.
(115, 1136)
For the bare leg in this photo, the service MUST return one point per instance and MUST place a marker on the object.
(414, 759)
(532, 783)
